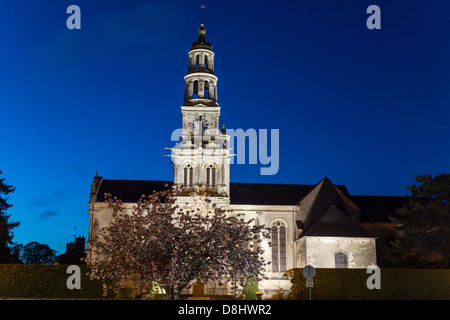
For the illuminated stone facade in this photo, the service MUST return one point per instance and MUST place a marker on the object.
(309, 224)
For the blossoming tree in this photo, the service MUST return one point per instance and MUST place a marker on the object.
(159, 242)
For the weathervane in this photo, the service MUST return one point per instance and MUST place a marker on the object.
(203, 7)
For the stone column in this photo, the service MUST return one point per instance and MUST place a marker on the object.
(190, 89)
(212, 89)
(201, 61)
(192, 62)
(211, 62)
(201, 88)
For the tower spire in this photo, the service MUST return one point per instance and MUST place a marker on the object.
(200, 81)
(201, 34)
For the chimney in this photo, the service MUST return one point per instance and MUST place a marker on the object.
(80, 243)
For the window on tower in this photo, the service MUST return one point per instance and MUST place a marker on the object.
(188, 175)
(195, 93)
(206, 92)
(211, 176)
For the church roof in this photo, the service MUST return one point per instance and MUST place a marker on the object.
(334, 222)
(325, 194)
(130, 190)
(240, 193)
(270, 193)
(327, 211)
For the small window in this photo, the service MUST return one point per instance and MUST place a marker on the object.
(340, 260)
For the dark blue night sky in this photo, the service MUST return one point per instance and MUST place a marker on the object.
(366, 108)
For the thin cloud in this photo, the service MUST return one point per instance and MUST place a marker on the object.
(48, 214)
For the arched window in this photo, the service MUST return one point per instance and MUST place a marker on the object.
(211, 176)
(278, 235)
(206, 62)
(188, 175)
(195, 91)
(340, 260)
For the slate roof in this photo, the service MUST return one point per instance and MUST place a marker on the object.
(240, 193)
(372, 208)
(270, 193)
(334, 222)
(327, 211)
(130, 190)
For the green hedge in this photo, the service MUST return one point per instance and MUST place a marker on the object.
(350, 284)
(45, 281)
(49, 281)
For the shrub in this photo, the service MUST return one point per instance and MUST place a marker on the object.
(45, 281)
(350, 284)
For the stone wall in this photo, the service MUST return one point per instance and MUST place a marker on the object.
(320, 251)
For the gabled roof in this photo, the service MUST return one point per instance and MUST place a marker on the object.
(334, 222)
(320, 199)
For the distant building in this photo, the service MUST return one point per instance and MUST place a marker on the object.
(75, 252)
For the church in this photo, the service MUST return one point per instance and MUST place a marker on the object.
(320, 225)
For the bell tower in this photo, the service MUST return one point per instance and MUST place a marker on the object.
(202, 158)
(200, 81)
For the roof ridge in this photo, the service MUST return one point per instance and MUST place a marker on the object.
(343, 220)
(308, 214)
